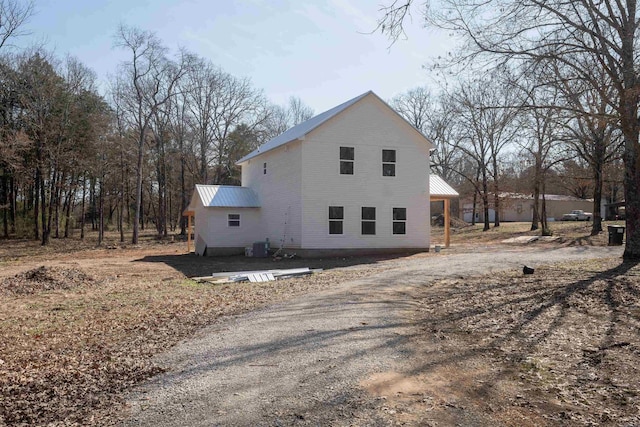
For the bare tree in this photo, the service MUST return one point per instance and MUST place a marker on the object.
(219, 102)
(539, 124)
(554, 31)
(13, 15)
(298, 111)
(149, 80)
(279, 118)
(593, 134)
(435, 118)
(485, 116)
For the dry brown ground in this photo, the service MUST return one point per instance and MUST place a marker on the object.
(560, 347)
(77, 327)
(78, 332)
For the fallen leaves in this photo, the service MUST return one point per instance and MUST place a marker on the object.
(45, 279)
(564, 342)
(71, 343)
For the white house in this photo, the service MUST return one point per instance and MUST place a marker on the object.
(352, 179)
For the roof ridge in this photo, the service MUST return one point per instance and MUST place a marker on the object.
(303, 128)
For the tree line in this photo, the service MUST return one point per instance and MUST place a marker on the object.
(497, 134)
(575, 64)
(534, 117)
(71, 158)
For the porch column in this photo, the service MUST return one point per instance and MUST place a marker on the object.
(447, 223)
(188, 233)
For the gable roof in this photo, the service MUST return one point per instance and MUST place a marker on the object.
(227, 196)
(304, 128)
(438, 187)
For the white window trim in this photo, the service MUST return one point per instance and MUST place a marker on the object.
(353, 162)
(395, 164)
(393, 221)
(229, 220)
(329, 219)
(374, 221)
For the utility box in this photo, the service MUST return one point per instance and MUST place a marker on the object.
(261, 249)
(616, 235)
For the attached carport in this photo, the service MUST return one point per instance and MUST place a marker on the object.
(440, 191)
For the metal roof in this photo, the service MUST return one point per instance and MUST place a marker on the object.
(439, 188)
(302, 129)
(227, 196)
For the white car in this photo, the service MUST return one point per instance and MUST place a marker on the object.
(577, 215)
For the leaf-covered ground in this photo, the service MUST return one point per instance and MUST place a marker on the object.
(68, 349)
(559, 347)
(78, 326)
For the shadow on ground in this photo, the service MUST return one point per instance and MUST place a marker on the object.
(561, 346)
(192, 265)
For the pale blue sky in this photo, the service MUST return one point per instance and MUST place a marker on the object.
(316, 50)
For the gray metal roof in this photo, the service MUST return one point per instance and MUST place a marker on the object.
(227, 196)
(302, 129)
(439, 188)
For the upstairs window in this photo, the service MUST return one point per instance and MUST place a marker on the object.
(399, 220)
(336, 219)
(233, 220)
(368, 221)
(264, 168)
(388, 162)
(347, 155)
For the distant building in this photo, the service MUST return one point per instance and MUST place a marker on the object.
(516, 207)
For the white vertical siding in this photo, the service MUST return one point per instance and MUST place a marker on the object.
(279, 192)
(212, 225)
(370, 127)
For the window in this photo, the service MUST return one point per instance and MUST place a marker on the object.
(347, 155)
(388, 162)
(264, 168)
(233, 220)
(368, 220)
(336, 218)
(399, 220)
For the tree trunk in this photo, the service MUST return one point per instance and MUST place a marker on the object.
(43, 212)
(485, 209)
(632, 196)
(496, 204)
(631, 130)
(14, 205)
(183, 193)
(36, 205)
(138, 207)
(101, 212)
(4, 202)
(546, 231)
(597, 166)
(474, 208)
(69, 208)
(83, 213)
(496, 191)
(485, 200)
(122, 195)
(535, 220)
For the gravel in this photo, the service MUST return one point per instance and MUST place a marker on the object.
(303, 362)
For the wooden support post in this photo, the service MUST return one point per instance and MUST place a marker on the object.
(189, 233)
(447, 223)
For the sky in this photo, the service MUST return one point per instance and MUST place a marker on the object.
(322, 51)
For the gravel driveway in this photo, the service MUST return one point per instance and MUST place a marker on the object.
(304, 362)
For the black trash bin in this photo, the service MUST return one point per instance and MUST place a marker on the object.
(616, 234)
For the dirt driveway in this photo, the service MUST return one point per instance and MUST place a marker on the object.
(348, 356)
